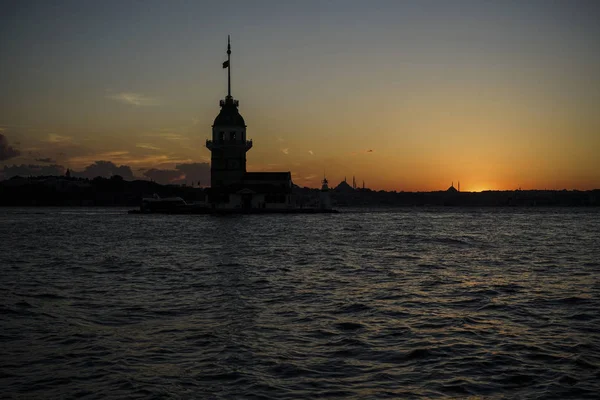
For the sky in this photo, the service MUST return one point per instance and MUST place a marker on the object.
(404, 95)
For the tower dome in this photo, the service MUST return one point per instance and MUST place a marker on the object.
(229, 115)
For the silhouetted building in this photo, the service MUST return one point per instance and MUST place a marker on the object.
(324, 195)
(231, 185)
(344, 187)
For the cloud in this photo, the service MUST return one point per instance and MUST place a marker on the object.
(166, 134)
(172, 136)
(197, 172)
(7, 151)
(147, 146)
(46, 160)
(125, 157)
(190, 172)
(185, 172)
(311, 153)
(135, 99)
(118, 156)
(164, 176)
(105, 169)
(285, 151)
(369, 151)
(32, 170)
(54, 138)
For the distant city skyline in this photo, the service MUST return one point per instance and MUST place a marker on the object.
(406, 96)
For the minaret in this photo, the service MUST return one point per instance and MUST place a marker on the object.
(228, 146)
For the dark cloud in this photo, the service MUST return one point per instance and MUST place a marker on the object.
(46, 160)
(105, 169)
(369, 151)
(7, 151)
(196, 172)
(190, 173)
(164, 176)
(32, 170)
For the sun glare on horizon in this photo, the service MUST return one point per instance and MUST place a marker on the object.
(409, 99)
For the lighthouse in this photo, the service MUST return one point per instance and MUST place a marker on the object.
(325, 196)
(228, 145)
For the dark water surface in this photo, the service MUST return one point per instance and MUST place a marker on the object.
(409, 303)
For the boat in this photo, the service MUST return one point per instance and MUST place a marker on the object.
(177, 205)
(164, 205)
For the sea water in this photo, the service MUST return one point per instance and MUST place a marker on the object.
(393, 303)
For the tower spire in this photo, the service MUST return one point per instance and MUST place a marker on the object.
(228, 66)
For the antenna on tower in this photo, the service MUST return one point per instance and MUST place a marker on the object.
(228, 66)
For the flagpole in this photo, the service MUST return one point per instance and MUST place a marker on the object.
(228, 67)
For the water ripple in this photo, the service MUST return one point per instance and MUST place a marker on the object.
(490, 303)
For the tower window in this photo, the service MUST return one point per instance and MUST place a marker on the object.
(232, 135)
(221, 136)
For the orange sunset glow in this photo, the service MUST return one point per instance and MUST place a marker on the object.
(405, 96)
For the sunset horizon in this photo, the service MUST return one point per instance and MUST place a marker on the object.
(340, 199)
(405, 97)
